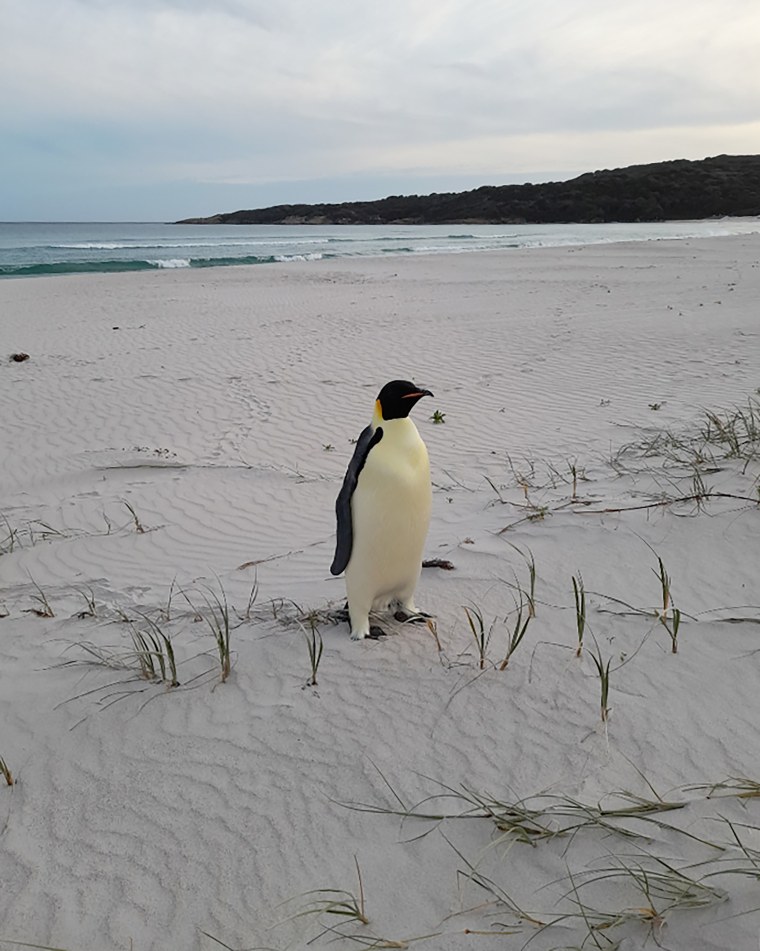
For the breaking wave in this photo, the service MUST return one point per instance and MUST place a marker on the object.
(31, 249)
(141, 264)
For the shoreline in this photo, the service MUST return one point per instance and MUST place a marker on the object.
(154, 249)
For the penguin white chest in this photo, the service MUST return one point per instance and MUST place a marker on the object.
(391, 515)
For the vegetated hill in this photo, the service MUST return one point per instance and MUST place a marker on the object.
(681, 189)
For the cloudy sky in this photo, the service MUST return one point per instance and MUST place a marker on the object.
(161, 109)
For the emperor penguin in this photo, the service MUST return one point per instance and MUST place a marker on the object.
(383, 510)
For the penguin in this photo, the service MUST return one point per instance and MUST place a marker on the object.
(383, 511)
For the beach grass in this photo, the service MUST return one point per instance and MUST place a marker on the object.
(217, 617)
(44, 608)
(314, 646)
(481, 634)
(643, 887)
(88, 596)
(154, 652)
(529, 591)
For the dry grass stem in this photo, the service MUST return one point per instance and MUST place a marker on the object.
(6, 773)
(139, 528)
(519, 628)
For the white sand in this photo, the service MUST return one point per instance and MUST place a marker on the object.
(143, 816)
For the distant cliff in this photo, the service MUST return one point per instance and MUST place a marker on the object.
(681, 189)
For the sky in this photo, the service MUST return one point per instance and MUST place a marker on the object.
(155, 110)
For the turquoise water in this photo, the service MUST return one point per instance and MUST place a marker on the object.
(33, 249)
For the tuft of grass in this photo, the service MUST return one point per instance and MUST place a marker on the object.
(314, 646)
(660, 890)
(6, 773)
(525, 478)
(664, 887)
(579, 593)
(217, 617)
(155, 653)
(727, 434)
(540, 817)
(44, 609)
(151, 655)
(438, 417)
(736, 432)
(329, 904)
(342, 914)
(521, 621)
(481, 636)
(89, 599)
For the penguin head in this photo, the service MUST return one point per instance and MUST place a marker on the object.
(397, 398)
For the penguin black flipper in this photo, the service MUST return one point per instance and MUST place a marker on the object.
(345, 536)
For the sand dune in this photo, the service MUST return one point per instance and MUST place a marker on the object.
(175, 444)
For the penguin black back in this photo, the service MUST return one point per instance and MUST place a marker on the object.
(394, 401)
(345, 533)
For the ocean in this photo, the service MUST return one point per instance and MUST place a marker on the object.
(36, 249)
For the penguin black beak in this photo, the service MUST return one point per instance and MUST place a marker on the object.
(418, 394)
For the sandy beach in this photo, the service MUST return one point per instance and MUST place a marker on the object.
(170, 455)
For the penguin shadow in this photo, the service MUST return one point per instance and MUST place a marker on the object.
(341, 616)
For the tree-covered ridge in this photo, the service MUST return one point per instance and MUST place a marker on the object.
(680, 189)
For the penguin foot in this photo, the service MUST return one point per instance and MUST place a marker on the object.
(374, 633)
(419, 617)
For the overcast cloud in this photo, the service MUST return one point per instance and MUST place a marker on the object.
(160, 109)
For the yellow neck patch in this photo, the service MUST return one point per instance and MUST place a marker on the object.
(378, 411)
